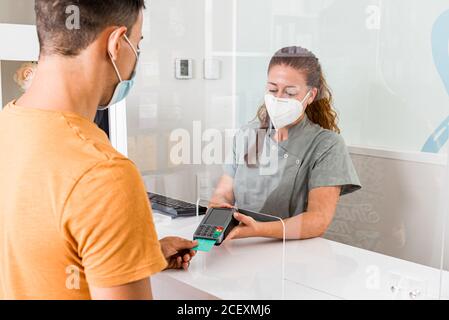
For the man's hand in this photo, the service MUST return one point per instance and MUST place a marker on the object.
(248, 228)
(177, 252)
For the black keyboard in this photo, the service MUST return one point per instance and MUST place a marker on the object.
(172, 207)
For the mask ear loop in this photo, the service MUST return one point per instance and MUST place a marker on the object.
(306, 97)
(115, 65)
(131, 45)
(115, 68)
(270, 124)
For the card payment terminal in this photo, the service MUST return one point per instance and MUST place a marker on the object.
(216, 225)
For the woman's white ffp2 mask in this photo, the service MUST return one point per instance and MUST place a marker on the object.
(284, 112)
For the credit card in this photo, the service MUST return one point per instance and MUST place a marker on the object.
(204, 245)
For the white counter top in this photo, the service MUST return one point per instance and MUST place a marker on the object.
(314, 269)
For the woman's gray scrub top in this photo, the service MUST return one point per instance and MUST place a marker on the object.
(310, 158)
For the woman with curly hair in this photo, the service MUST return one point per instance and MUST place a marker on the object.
(291, 161)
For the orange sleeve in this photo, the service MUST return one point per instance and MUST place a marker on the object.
(109, 222)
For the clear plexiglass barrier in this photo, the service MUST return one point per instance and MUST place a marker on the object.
(329, 116)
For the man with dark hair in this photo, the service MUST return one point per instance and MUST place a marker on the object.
(57, 34)
(75, 220)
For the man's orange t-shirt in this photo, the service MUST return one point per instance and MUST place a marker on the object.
(73, 211)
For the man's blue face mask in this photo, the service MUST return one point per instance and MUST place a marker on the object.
(124, 86)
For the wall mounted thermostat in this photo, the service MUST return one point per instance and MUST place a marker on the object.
(184, 68)
(216, 225)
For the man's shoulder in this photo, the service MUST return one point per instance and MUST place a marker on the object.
(88, 153)
(90, 142)
(116, 173)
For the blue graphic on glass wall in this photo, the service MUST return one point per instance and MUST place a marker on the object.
(440, 41)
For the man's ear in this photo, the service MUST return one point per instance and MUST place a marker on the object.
(115, 43)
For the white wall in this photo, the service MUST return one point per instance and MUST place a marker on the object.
(376, 54)
(17, 12)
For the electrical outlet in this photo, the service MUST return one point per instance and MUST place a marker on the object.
(404, 287)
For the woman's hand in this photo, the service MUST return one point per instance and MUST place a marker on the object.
(248, 228)
(219, 205)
